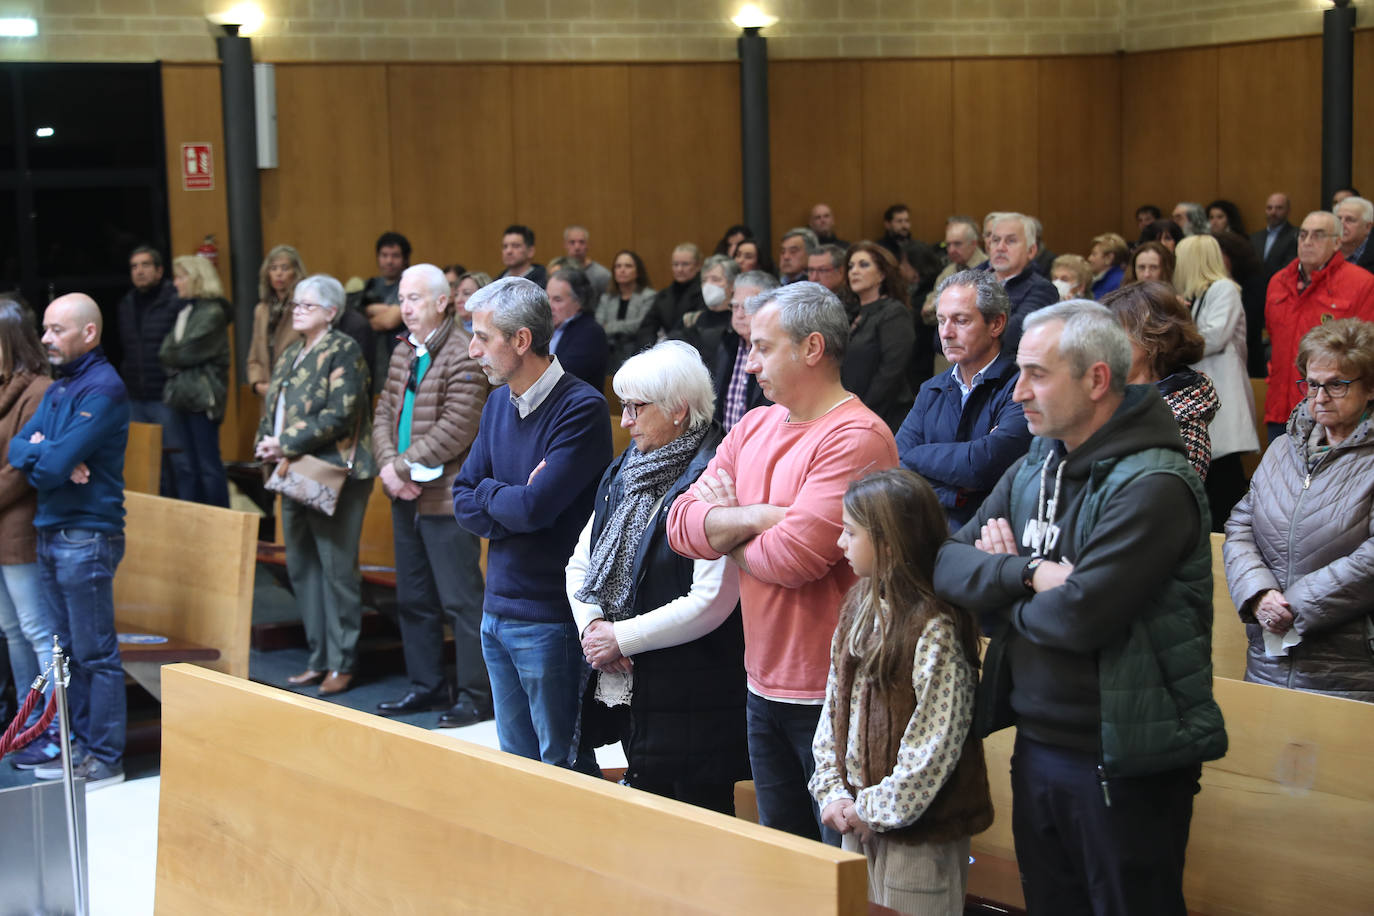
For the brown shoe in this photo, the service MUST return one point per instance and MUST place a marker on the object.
(305, 678)
(337, 682)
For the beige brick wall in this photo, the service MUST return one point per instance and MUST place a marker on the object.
(658, 30)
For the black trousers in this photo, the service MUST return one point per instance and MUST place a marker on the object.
(1225, 485)
(438, 576)
(1078, 855)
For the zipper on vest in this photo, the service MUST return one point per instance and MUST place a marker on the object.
(1102, 781)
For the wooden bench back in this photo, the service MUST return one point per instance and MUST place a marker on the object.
(143, 458)
(273, 802)
(1229, 642)
(187, 573)
(1296, 780)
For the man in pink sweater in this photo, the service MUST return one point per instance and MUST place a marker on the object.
(771, 499)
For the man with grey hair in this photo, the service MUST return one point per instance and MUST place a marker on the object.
(771, 499)
(737, 390)
(964, 253)
(1357, 216)
(1013, 241)
(797, 244)
(576, 240)
(425, 422)
(528, 485)
(1090, 563)
(1190, 217)
(965, 428)
(825, 266)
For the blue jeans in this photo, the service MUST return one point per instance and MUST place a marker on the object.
(76, 573)
(780, 755)
(160, 414)
(197, 469)
(28, 631)
(537, 674)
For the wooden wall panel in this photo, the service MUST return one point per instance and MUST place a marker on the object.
(817, 129)
(569, 162)
(1363, 163)
(331, 193)
(1169, 138)
(908, 146)
(452, 186)
(1080, 151)
(996, 136)
(1269, 134)
(684, 176)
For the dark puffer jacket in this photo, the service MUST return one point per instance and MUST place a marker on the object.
(1311, 536)
(687, 709)
(144, 320)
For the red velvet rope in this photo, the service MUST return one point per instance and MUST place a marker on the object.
(13, 738)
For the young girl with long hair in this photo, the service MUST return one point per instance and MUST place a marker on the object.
(899, 772)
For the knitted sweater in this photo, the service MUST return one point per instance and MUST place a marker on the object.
(533, 525)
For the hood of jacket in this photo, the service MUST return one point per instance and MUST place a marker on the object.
(1141, 421)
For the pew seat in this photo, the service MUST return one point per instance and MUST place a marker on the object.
(187, 576)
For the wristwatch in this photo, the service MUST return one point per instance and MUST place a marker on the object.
(1028, 573)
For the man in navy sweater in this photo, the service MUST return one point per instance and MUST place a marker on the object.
(528, 486)
(965, 429)
(72, 452)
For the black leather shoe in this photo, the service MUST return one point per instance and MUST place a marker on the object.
(415, 701)
(462, 714)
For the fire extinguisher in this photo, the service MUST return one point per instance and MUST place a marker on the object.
(208, 251)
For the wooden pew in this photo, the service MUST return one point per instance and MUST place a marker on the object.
(273, 802)
(1295, 783)
(143, 458)
(1229, 642)
(187, 574)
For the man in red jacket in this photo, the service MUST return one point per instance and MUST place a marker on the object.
(1319, 286)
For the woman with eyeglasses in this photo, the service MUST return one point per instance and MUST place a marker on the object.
(1299, 551)
(1201, 279)
(662, 632)
(319, 404)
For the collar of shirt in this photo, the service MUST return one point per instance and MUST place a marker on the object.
(1359, 252)
(529, 402)
(421, 347)
(966, 390)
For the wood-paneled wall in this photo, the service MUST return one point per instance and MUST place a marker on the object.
(647, 155)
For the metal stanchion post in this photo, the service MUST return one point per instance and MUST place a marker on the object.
(61, 677)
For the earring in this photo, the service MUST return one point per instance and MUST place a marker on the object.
(677, 422)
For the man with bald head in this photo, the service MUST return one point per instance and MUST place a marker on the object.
(1277, 243)
(1320, 285)
(72, 452)
(822, 222)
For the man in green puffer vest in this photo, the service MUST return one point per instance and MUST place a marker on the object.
(1090, 565)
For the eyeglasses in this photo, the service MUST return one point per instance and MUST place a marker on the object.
(631, 409)
(1316, 235)
(1336, 388)
(299, 306)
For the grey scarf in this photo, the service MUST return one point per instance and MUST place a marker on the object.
(644, 479)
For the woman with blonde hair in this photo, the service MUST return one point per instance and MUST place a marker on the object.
(195, 354)
(1214, 298)
(1072, 276)
(281, 270)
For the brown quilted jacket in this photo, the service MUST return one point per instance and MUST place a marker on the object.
(448, 406)
(1310, 535)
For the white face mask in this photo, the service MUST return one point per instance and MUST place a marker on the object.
(1064, 287)
(713, 295)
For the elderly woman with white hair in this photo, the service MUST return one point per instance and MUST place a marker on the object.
(662, 632)
(319, 405)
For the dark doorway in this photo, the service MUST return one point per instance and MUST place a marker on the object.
(82, 179)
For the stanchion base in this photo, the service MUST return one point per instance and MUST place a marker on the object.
(35, 860)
